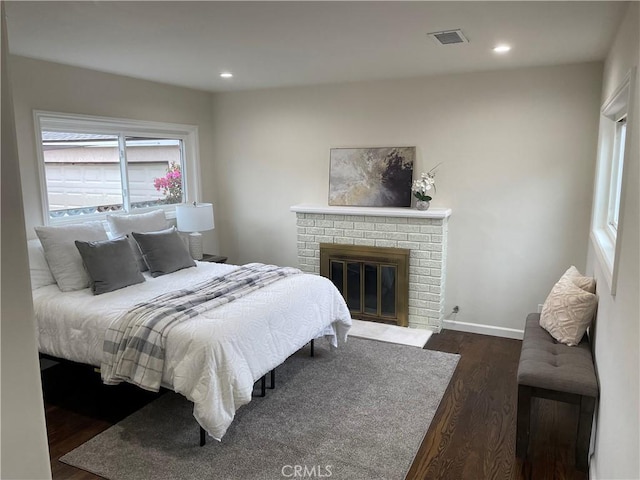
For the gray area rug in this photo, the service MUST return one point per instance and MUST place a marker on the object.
(358, 412)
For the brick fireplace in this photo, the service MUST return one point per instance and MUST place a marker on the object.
(423, 233)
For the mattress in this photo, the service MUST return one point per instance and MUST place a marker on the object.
(215, 358)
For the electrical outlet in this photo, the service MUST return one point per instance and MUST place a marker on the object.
(456, 309)
(539, 308)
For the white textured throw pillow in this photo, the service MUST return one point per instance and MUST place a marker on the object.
(579, 280)
(38, 267)
(568, 311)
(62, 255)
(121, 225)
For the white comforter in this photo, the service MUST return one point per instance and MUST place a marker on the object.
(215, 358)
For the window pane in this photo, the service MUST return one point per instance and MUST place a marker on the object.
(154, 168)
(82, 173)
(616, 174)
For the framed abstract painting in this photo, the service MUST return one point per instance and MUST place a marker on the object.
(371, 177)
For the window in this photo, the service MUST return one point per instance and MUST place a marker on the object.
(90, 166)
(615, 184)
(610, 174)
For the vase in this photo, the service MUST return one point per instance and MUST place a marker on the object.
(422, 204)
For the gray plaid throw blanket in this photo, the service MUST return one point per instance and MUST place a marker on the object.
(134, 346)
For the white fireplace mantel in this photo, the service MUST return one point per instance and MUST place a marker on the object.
(374, 211)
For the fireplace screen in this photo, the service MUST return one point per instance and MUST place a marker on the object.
(373, 280)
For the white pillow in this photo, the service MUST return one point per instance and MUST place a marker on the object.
(567, 312)
(138, 222)
(579, 280)
(62, 255)
(38, 267)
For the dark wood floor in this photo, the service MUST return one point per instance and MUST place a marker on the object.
(473, 433)
(471, 437)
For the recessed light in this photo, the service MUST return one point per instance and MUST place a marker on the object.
(226, 74)
(502, 48)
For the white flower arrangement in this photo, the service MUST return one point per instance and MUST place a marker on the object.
(424, 185)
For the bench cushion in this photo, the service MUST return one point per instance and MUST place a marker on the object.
(545, 363)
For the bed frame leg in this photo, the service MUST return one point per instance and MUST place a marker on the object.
(263, 386)
(312, 345)
(203, 437)
(273, 379)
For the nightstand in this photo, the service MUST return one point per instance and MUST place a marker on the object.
(213, 258)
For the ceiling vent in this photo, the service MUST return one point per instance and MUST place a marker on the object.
(448, 37)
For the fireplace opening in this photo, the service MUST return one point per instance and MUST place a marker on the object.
(374, 281)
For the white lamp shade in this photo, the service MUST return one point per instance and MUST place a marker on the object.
(194, 218)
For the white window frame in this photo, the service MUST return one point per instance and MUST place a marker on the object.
(64, 122)
(610, 180)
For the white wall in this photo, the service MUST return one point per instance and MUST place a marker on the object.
(53, 87)
(25, 453)
(617, 332)
(518, 148)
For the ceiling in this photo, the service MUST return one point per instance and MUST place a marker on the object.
(275, 44)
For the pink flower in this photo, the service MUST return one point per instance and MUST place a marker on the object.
(170, 184)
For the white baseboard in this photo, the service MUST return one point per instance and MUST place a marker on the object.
(483, 329)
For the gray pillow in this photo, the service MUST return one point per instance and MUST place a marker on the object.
(164, 251)
(111, 264)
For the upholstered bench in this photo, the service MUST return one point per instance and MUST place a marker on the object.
(549, 369)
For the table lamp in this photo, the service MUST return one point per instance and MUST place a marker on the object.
(195, 218)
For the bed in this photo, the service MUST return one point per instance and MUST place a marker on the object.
(214, 358)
